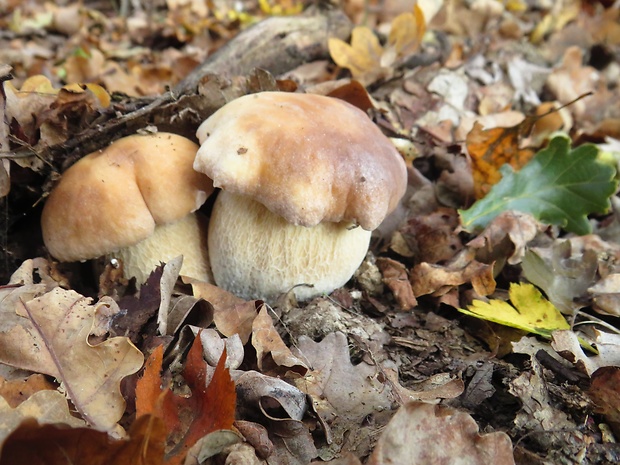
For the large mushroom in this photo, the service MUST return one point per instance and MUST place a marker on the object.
(305, 179)
(136, 201)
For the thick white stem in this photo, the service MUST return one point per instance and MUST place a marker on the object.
(257, 254)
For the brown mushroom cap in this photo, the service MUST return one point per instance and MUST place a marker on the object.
(308, 158)
(114, 198)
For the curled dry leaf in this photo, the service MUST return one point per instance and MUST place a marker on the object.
(563, 271)
(51, 337)
(395, 277)
(427, 278)
(231, 314)
(266, 340)
(516, 227)
(418, 435)
(606, 295)
(567, 344)
(254, 388)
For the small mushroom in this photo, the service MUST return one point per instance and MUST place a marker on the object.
(305, 179)
(135, 200)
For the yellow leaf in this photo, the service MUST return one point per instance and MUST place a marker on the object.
(531, 311)
(362, 57)
(407, 32)
(280, 7)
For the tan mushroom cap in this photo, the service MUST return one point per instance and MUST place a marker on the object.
(308, 158)
(114, 198)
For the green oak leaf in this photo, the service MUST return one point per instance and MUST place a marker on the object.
(558, 186)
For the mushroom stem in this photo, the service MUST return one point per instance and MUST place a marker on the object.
(257, 254)
(186, 237)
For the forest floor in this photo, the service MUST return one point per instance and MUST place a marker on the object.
(482, 327)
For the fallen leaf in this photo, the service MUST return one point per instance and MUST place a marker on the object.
(604, 391)
(58, 444)
(255, 389)
(345, 397)
(428, 278)
(47, 407)
(267, 341)
(490, 149)
(421, 434)
(366, 59)
(187, 419)
(569, 346)
(395, 277)
(362, 57)
(432, 237)
(563, 271)
(558, 186)
(572, 79)
(531, 312)
(606, 295)
(18, 390)
(511, 226)
(231, 314)
(538, 411)
(52, 338)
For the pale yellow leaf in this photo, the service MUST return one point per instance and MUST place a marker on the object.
(362, 57)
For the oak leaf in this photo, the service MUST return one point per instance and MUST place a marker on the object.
(558, 186)
(51, 337)
(366, 59)
(417, 434)
(492, 148)
(187, 419)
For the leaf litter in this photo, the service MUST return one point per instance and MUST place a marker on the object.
(471, 90)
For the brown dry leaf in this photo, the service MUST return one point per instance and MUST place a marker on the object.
(347, 398)
(18, 390)
(51, 337)
(45, 406)
(514, 227)
(231, 314)
(266, 340)
(606, 295)
(490, 149)
(427, 278)
(424, 434)
(395, 277)
(432, 237)
(571, 80)
(604, 390)
(58, 445)
(538, 410)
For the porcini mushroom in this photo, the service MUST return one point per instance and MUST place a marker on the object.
(135, 200)
(305, 179)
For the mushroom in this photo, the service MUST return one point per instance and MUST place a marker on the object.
(305, 179)
(135, 200)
